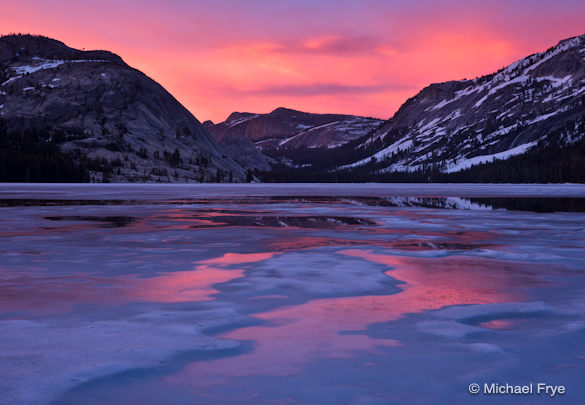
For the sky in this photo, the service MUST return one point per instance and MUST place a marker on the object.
(363, 57)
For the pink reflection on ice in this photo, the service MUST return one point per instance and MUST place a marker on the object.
(181, 286)
(195, 285)
(499, 324)
(30, 290)
(296, 334)
(239, 258)
(59, 294)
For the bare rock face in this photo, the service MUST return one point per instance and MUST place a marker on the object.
(112, 118)
(241, 149)
(249, 138)
(286, 128)
(454, 125)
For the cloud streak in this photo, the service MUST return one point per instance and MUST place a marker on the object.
(317, 89)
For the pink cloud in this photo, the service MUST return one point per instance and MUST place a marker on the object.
(350, 57)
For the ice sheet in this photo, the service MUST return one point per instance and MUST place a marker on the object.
(170, 298)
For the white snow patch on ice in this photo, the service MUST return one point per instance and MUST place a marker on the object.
(301, 273)
(485, 348)
(447, 329)
(461, 313)
(79, 351)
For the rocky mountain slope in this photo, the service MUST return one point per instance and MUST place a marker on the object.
(90, 116)
(449, 127)
(286, 128)
(109, 120)
(258, 141)
(240, 148)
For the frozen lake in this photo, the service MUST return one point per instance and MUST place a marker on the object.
(290, 294)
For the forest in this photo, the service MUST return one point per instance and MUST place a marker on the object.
(32, 154)
(546, 163)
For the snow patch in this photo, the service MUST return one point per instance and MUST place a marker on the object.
(560, 48)
(555, 81)
(543, 117)
(240, 120)
(401, 144)
(519, 79)
(29, 69)
(467, 163)
(22, 70)
(430, 124)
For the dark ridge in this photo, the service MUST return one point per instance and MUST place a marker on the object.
(238, 115)
(28, 46)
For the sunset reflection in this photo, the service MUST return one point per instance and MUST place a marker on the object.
(182, 286)
(223, 303)
(499, 324)
(34, 292)
(195, 285)
(296, 334)
(239, 258)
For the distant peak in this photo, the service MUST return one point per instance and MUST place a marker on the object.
(573, 41)
(24, 38)
(283, 110)
(27, 45)
(582, 36)
(238, 115)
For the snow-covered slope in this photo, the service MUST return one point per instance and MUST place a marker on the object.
(454, 125)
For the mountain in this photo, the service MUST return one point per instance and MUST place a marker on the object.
(241, 149)
(71, 115)
(525, 122)
(454, 125)
(286, 128)
(261, 141)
